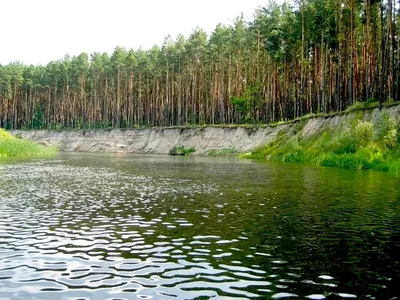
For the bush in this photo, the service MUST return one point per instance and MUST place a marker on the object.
(350, 149)
(4, 135)
(383, 125)
(364, 133)
(391, 139)
(345, 143)
(14, 147)
(181, 150)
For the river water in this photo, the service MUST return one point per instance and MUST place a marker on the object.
(118, 226)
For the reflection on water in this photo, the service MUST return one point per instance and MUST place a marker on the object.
(126, 227)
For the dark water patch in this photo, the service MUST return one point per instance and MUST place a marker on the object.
(126, 227)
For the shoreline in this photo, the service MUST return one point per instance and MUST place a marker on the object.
(227, 140)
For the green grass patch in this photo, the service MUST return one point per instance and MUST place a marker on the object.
(16, 147)
(366, 145)
(370, 104)
(181, 150)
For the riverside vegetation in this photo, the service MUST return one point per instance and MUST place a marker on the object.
(291, 60)
(181, 150)
(15, 147)
(364, 145)
(357, 144)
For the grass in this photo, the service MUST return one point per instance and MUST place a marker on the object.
(15, 147)
(181, 150)
(366, 145)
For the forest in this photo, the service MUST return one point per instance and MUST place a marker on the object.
(289, 60)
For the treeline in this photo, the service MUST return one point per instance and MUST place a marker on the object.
(293, 59)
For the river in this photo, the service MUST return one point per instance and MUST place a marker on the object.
(124, 226)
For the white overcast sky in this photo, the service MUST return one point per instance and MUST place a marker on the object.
(38, 31)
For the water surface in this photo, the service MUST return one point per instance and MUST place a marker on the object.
(114, 226)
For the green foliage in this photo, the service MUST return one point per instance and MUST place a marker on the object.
(4, 135)
(371, 103)
(181, 150)
(222, 152)
(240, 104)
(38, 118)
(384, 125)
(246, 105)
(364, 132)
(15, 147)
(356, 106)
(391, 139)
(343, 144)
(366, 146)
(298, 126)
(270, 68)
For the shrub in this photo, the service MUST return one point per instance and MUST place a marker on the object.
(391, 139)
(181, 150)
(350, 149)
(383, 125)
(364, 133)
(345, 143)
(14, 147)
(4, 135)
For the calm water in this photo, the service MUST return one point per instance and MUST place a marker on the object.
(155, 227)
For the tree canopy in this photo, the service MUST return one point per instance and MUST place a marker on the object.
(290, 60)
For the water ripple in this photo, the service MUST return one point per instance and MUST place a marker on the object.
(102, 232)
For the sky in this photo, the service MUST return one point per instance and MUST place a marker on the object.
(36, 32)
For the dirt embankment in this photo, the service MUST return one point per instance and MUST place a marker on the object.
(203, 139)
